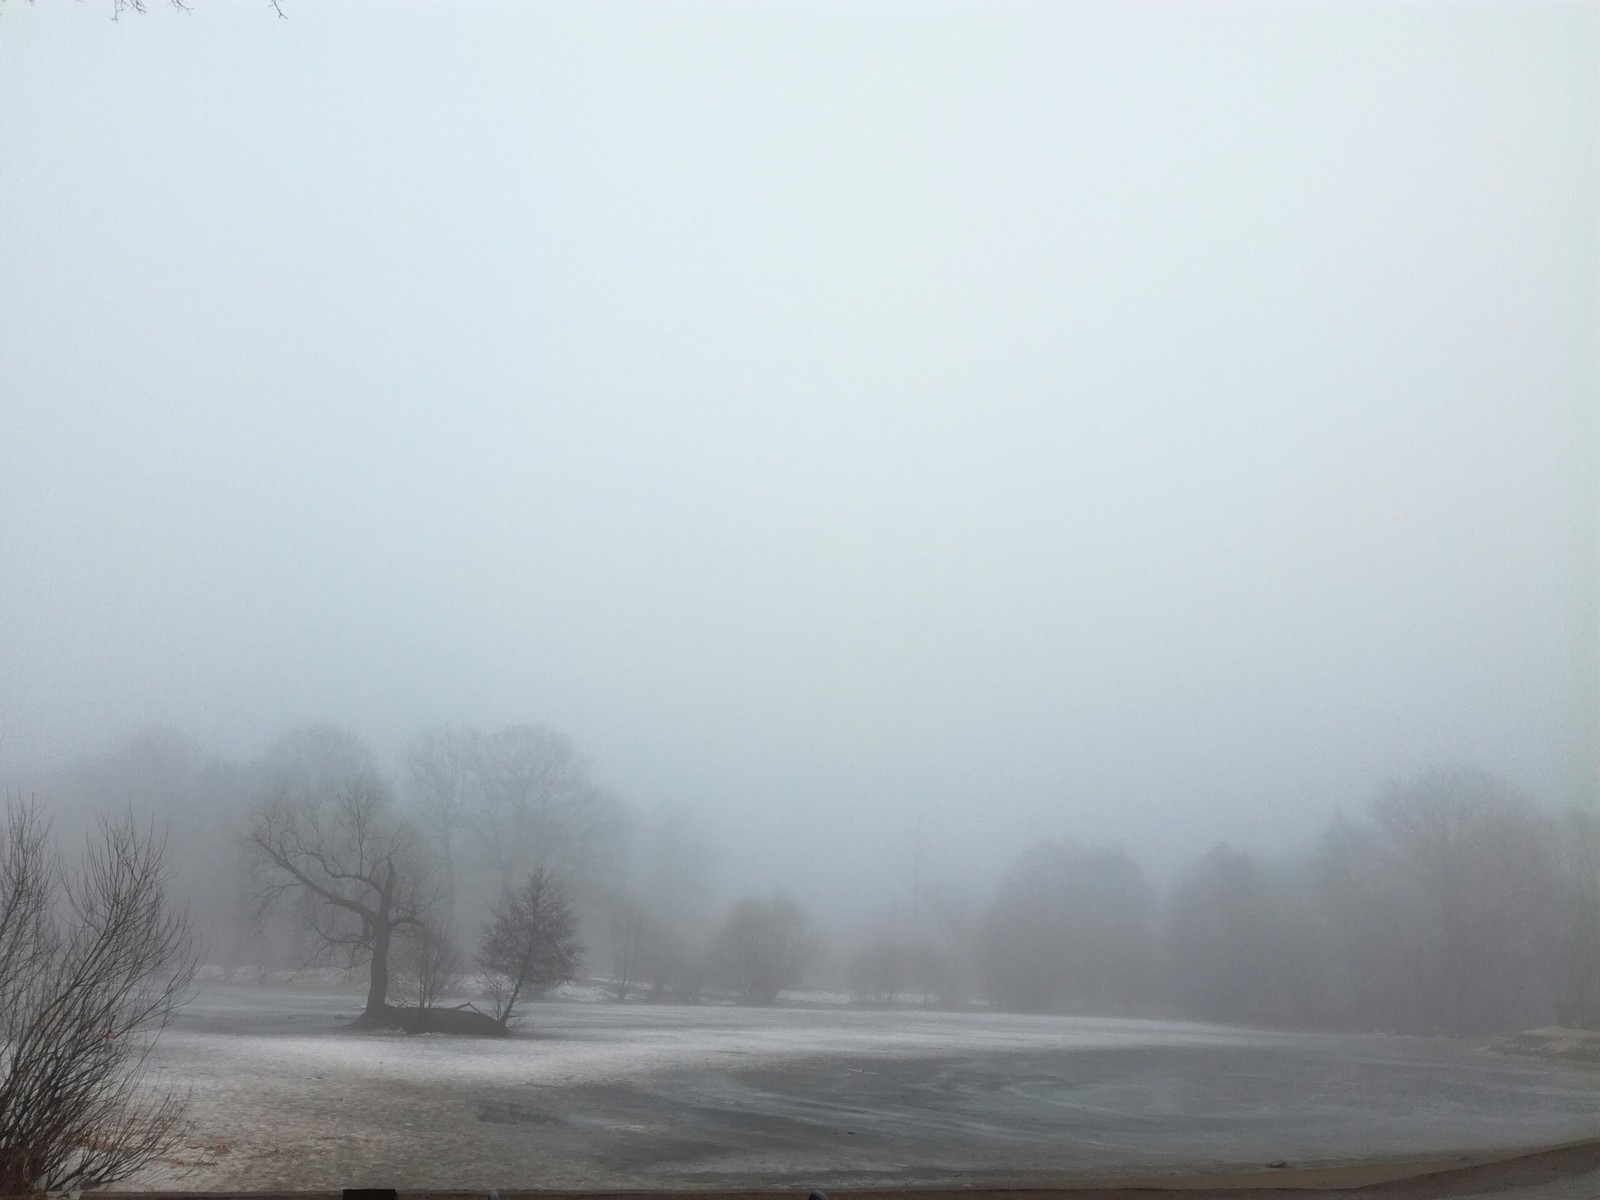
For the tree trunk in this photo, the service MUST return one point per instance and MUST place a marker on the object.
(378, 986)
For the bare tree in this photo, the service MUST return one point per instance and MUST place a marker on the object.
(877, 972)
(763, 947)
(673, 868)
(1370, 969)
(200, 801)
(1237, 948)
(631, 933)
(1579, 983)
(1480, 867)
(325, 829)
(1070, 930)
(530, 944)
(439, 771)
(92, 965)
(537, 806)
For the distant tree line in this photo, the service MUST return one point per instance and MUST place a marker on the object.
(1451, 904)
(495, 870)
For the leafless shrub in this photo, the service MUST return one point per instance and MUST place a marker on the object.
(430, 962)
(118, 7)
(632, 936)
(93, 963)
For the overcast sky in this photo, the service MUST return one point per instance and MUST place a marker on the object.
(1162, 423)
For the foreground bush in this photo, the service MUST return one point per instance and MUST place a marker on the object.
(93, 962)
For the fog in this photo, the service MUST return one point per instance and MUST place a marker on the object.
(891, 435)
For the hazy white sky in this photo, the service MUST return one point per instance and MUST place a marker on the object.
(1138, 421)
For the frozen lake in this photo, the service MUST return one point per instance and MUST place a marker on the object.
(628, 1096)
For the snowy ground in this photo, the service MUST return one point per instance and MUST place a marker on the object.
(619, 1096)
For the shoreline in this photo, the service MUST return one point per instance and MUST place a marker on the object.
(1513, 1172)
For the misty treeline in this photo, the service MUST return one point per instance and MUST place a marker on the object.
(491, 865)
(1451, 905)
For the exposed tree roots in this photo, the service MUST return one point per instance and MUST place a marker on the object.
(463, 1020)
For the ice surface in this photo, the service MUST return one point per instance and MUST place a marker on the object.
(606, 1095)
